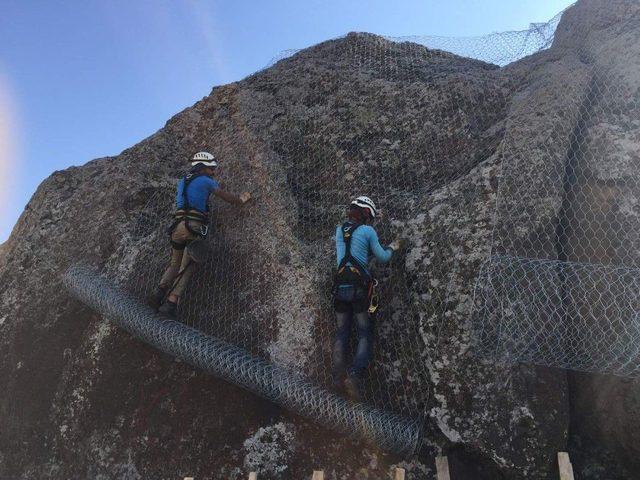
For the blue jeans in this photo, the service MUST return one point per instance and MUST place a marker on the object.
(364, 351)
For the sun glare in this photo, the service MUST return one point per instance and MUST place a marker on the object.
(8, 144)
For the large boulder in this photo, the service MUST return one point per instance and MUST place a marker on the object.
(432, 136)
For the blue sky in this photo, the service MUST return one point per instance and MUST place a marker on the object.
(87, 79)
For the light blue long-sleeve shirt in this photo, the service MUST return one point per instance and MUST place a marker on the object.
(364, 245)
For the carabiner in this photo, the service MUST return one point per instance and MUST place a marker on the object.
(373, 304)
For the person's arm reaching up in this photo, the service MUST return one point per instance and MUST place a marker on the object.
(231, 198)
(383, 255)
(396, 245)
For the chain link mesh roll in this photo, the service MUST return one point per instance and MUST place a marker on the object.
(389, 431)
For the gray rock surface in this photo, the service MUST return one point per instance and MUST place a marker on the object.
(428, 134)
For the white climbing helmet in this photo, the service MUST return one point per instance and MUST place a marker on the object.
(204, 158)
(366, 202)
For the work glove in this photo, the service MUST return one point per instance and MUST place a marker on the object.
(396, 244)
(245, 197)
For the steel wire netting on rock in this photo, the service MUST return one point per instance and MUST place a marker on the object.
(557, 288)
(561, 286)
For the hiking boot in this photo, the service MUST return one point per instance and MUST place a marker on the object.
(353, 387)
(156, 298)
(169, 309)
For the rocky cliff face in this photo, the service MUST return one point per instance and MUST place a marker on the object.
(426, 133)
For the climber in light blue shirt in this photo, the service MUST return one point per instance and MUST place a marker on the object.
(364, 245)
(356, 243)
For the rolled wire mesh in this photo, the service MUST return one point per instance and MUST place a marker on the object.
(227, 361)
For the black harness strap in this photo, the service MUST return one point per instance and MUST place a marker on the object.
(348, 229)
(188, 178)
(177, 246)
(351, 282)
(191, 215)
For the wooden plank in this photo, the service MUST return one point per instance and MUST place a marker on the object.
(442, 468)
(253, 476)
(399, 474)
(318, 475)
(564, 464)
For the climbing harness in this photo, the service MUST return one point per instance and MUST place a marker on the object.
(351, 282)
(375, 298)
(187, 214)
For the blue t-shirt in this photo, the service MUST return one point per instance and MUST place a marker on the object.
(364, 244)
(197, 193)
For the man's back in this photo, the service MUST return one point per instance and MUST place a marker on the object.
(198, 192)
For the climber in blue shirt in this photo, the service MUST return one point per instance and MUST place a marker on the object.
(356, 243)
(191, 224)
(364, 245)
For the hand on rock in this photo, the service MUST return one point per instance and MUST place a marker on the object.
(245, 197)
(396, 245)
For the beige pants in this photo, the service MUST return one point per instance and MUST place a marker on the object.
(177, 276)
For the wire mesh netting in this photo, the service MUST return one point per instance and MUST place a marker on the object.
(561, 314)
(553, 290)
(560, 288)
(500, 48)
(324, 165)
